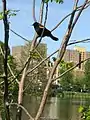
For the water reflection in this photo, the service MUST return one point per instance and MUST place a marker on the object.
(56, 108)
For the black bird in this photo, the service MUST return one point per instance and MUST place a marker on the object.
(39, 28)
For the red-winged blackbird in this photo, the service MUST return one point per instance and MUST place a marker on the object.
(39, 28)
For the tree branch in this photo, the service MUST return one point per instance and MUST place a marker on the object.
(55, 53)
(79, 13)
(9, 66)
(43, 27)
(19, 35)
(41, 11)
(42, 62)
(70, 69)
(78, 8)
(60, 55)
(6, 38)
(21, 83)
(28, 114)
(33, 11)
(71, 43)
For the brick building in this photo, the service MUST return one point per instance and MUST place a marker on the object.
(76, 55)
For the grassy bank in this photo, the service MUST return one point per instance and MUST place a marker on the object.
(70, 94)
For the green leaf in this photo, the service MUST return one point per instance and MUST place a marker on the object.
(57, 1)
(1, 15)
(60, 1)
(12, 14)
(46, 1)
(80, 110)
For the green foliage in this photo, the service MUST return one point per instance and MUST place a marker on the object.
(78, 84)
(57, 1)
(85, 112)
(36, 80)
(13, 86)
(80, 109)
(9, 13)
(12, 12)
(87, 74)
(2, 47)
(1, 15)
(67, 80)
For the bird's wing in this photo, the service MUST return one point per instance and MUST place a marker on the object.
(41, 26)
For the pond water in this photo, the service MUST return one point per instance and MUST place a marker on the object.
(55, 109)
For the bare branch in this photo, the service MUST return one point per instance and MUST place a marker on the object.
(43, 27)
(1, 76)
(28, 42)
(21, 83)
(71, 43)
(55, 53)
(21, 70)
(78, 8)
(19, 35)
(42, 61)
(70, 69)
(79, 13)
(60, 55)
(41, 11)
(24, 109)
(33, 11)
(9, 66)
(29, 81)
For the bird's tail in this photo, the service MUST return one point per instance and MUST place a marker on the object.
(54, 38)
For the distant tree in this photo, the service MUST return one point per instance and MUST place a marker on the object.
(67, 80)
(12, 64)
(71, 22)
(87, 75)
(36, 80)
(78, 84)
(1, 57)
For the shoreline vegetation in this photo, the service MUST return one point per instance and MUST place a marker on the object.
(70, 94)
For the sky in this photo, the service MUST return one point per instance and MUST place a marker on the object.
(21, 23)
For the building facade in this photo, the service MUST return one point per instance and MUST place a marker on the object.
(77, 55)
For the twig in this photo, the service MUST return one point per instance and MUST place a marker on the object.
(60, 55)
(43, 27)
(33, 11)
(21, 83)
(69, 69)
(9, 66)
(79, 13)
(55, 53)
(21, 70)
(78, 8)
(71, 43)
(36, 50)
(41, 11)
(29, 81)
(19, 35)
(42, 61)
(24, 109)
(28, 42)
(43, 30)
